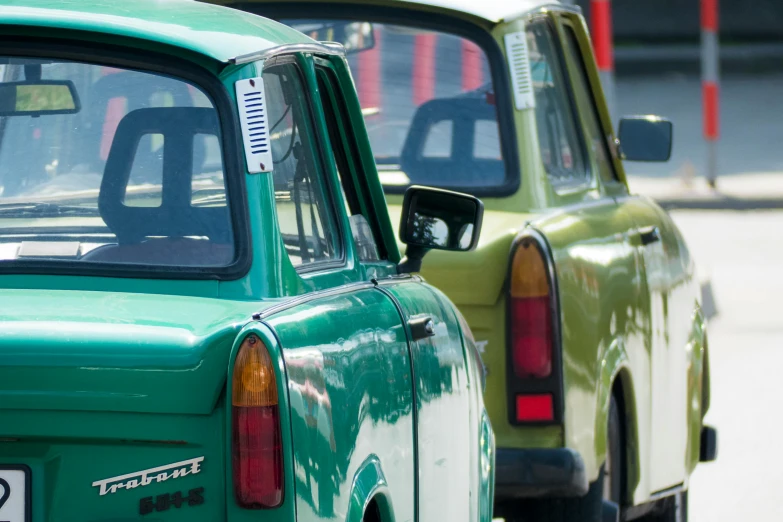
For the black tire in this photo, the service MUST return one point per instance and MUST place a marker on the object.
(588, 508)
(675, 509)
(613, 469)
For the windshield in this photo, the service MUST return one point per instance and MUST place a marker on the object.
(133, 175)
(429, 105)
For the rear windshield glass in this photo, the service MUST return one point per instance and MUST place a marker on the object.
(108, 165)
(428, 102)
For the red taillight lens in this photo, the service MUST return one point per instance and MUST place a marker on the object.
(530, 314)
(257, 457)
(531, 408)
(531, 337)
(256, 445)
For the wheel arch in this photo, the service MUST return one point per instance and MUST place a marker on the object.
(370, 491)
(617, 381)
(699, 396)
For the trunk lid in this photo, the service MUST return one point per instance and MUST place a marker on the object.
(112, 404)
(108, 351)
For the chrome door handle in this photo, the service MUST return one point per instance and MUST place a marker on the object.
(649, 235)
(421, 328)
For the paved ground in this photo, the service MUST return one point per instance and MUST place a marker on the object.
(742, 251)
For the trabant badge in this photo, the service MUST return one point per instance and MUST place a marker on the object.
(148, 476)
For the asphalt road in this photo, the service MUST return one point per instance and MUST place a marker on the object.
(742, 252)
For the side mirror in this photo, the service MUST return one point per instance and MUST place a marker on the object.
(437, 219)
(645, 138)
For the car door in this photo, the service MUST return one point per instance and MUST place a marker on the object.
(344, 342)
(660, 370)
(443, 413)
(446, 428)
(657, 243)
(598, 270)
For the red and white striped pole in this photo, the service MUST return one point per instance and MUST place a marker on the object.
(424, 68)
(472, 75)
(710, 84)
(601, 29)
(369, 81)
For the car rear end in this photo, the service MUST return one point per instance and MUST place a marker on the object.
(154, 419)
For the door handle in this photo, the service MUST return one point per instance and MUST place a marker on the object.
(649, 235)
(421, 328)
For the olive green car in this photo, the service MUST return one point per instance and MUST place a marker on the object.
(581, 294)
(204, 313)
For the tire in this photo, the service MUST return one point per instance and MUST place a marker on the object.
(588, 508)
(674, 510)
(613, 469)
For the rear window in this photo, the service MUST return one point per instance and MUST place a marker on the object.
(428, 101)
(133, 174)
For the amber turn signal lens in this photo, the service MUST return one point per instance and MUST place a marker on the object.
(528, 274)
(254, 376)
(257, 449)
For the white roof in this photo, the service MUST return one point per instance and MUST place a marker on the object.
(490, 10)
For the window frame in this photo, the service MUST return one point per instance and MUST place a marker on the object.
(415, 18)
(569, 30)
(127, 56)
(347, 151)
(318, 147)
(564, 189)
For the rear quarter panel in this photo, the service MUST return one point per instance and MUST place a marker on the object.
(603, 320)
(350, 395)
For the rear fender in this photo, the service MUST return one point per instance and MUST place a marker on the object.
(287, 510)
(698, 386)
(369, 484)
(615, 369)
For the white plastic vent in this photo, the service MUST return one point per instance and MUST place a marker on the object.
(255, 124)
(519, 66)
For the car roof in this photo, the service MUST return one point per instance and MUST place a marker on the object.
(489, 10)
(492, 11)
(218, 32)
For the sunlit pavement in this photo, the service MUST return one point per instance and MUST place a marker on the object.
(743, 253)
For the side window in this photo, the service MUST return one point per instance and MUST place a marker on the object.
(595, 137)
(304, 208)
(561, 150)
(346, 159)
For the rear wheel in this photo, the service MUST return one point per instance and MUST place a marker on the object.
(613, 469)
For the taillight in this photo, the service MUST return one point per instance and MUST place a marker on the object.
(533, 408)
(531, 313)
(534, 377)
(256, 446)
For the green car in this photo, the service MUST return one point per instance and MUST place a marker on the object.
(581, 295)
(205, 315)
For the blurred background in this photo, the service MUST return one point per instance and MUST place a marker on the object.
(733, 230)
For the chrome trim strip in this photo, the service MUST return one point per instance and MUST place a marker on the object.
(301, 299)
(329, 48)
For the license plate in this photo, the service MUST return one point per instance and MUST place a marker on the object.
(14, 494)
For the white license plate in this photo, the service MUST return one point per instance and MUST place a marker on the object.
(14, 494)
